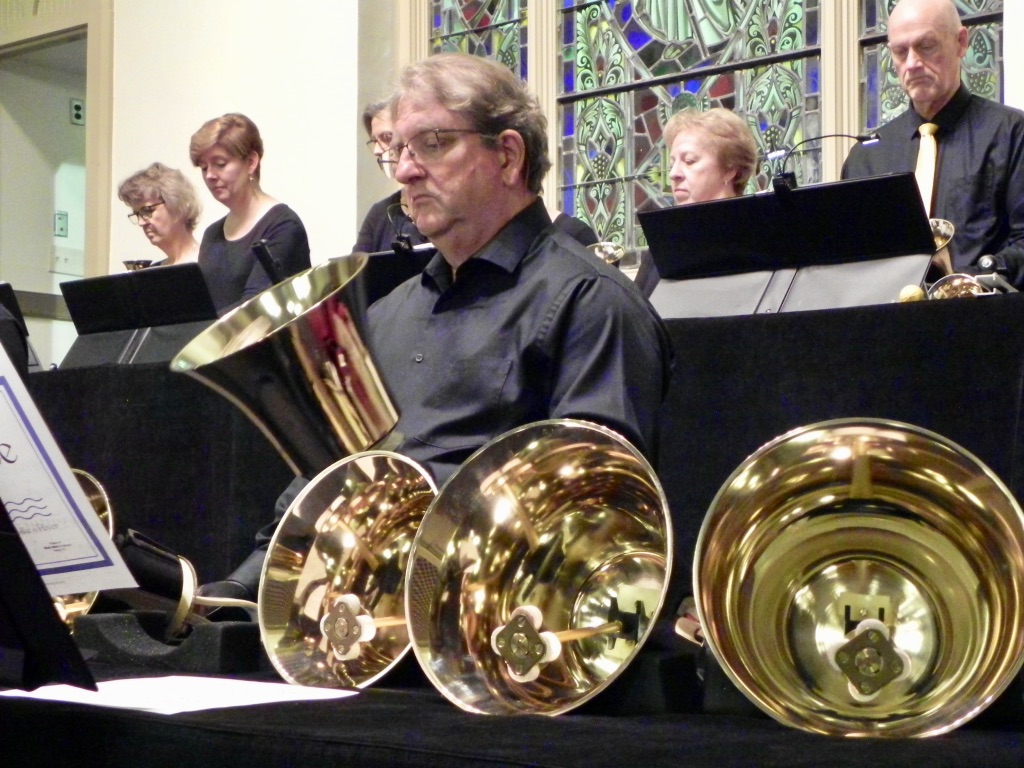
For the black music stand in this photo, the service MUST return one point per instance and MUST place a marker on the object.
(35, 646)
(143, 316)
(843, 244)
(19, 332)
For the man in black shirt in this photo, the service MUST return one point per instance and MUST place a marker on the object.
(513, 321)
(980, 182)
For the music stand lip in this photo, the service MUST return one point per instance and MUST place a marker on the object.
(143, 298)
(833, 223)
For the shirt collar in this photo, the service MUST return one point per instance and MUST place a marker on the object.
(949, 115)
(505, 250)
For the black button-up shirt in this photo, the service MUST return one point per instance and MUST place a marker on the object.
(534, 328)
(980, 181)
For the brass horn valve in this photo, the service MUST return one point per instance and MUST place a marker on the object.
(345, 626)
(525, 648)
(869, 660)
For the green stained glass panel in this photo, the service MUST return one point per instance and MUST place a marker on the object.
(875, 13)
(614, 160)
(610, 43)
(628, 66)
(494, 29)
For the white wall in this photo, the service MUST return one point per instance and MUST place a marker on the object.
(42, 170)
(291, 68)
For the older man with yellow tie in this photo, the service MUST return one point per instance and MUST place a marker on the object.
(967, 151)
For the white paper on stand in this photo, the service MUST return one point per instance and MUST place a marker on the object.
(61, 531)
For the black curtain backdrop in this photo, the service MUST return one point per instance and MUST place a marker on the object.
(178, 461)
(954, 367)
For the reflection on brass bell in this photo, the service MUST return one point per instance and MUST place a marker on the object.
(539, 570)
(861, 577)
(331, 599)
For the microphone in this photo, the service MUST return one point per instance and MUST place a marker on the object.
(786, 180)
(268, 261)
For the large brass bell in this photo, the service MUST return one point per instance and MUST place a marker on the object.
(331, 600)
(861, 577)
(539, 570)
(332, 607)
(293, 360)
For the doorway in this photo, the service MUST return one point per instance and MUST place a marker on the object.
(43, 114)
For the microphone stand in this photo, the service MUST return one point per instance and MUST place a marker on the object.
(784, 180)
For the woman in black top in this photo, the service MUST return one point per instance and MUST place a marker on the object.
(229, 150)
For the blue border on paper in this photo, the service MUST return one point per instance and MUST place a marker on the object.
(105, 560)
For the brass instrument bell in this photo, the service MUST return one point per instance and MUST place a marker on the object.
(293, 360)
(539, 569)
(70, 607)
(862, 577)
(331, 600)
(942, 235)
(331, 607)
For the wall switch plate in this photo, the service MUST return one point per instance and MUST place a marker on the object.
(77, 111)
(60, 224)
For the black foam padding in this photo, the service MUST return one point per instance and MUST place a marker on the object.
(133, 639)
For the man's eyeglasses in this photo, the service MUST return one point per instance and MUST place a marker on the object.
(382, 140)
(427, 146)
(145, 213)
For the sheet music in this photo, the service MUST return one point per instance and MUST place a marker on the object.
(175, 693)
(61, 531)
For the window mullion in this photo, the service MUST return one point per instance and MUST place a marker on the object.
(840, 85)
(542, 54)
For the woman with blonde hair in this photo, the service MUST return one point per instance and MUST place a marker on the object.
(712, 155)
(229, 152)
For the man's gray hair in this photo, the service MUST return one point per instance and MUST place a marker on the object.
(488, 95)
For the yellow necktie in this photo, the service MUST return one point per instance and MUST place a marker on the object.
(927, 154)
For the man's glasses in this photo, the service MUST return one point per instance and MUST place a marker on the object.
(427, 146)
(145, 213)
(381, 140)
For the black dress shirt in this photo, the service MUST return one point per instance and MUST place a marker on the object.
(980, 181)
(535, 327)
(232, 271)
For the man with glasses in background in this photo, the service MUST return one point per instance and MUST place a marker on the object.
(513, 321)
(387, 226)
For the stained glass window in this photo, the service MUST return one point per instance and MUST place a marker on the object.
(628, 66)
(881, 96)
(495, 29)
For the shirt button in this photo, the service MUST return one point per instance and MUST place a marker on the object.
(418, 358)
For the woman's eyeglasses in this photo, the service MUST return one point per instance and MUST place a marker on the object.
(145, 213)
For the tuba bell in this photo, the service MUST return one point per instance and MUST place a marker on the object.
(539, 570)
(862, 577)
(293, 360)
